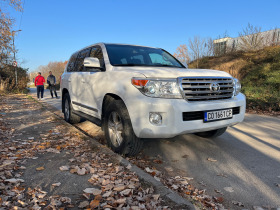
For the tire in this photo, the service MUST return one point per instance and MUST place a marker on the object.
(69, 116)
(118, 130)
(212, 134)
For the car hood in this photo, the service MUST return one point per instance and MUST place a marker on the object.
(162, 72)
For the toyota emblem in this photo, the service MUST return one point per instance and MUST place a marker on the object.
(215, 87)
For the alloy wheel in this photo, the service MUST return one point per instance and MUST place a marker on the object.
(115, 128)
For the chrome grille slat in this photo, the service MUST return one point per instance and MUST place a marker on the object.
(203, 86)
(207, 81)
(205, 92)
(199, 88)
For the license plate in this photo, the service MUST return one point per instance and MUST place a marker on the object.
(217, 115)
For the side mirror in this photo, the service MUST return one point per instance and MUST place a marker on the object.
(185, 64)
(91, 62)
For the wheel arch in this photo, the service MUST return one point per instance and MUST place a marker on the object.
(107, 99)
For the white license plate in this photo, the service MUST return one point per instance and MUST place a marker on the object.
(217, 115)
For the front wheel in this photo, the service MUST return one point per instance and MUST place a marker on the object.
(212, 134)
(118, 130)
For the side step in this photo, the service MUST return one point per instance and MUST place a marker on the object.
(92, 119)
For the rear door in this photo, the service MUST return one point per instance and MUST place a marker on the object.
(76, 80)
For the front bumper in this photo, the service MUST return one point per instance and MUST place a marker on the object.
(172, 119)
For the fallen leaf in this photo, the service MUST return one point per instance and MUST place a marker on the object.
(220, 199)
(156, 178)
(229, 189)
(107, 194)
(22, 203)
(93, 191)
(13, 180)
(211, 159)
(121, 201)
(237, 203)
(83, 204)
(98, 197)
(188, 178)
(53, 150)
(40, 168)
(185, 156)
(94, 204)
(157, 161)
(156, 196)
(56, 184)
(128, 166)
(119, 188)
(125, 192)
(81, 171)
(65, 200)
(64, 168)
(73, 170)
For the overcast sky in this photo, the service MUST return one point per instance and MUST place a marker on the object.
(53, 29)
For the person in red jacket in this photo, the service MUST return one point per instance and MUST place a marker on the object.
(39, 83)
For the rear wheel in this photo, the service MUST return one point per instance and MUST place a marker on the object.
(118, 130)
(69, 116)
(212, 134)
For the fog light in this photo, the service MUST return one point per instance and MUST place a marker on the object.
(155, 118)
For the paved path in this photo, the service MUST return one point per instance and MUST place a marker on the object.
(247, 166)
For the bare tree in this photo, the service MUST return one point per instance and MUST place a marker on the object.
(6, 23)
(251, 38)
(210, 47)
(182, 53)
(57, 68)
(198, 48)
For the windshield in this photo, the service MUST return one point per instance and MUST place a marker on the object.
(128, 55)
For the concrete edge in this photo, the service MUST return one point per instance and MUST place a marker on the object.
(163, 190)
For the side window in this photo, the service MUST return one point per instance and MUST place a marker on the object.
(96, 52)
(71, 63)
(79, 65)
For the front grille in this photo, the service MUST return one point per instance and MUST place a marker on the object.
(199, 115)
(206, 88)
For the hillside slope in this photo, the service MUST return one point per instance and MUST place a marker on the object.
(258, 71)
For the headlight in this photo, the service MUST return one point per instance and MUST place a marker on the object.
(159, 88)
(237, 86)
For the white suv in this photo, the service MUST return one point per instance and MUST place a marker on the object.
(136, 92)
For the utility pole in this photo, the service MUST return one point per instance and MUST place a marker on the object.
(14, 62)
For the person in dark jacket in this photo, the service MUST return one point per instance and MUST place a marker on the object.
(39, 83)
(51, 81)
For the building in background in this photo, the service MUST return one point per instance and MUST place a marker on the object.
(250, 42)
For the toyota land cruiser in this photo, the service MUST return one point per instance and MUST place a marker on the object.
(136, 92)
